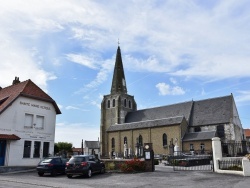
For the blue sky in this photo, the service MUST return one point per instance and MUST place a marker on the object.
(172, 50)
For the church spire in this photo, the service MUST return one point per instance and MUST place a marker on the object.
(118, 82)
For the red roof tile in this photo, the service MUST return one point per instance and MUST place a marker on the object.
(28, 89)
(247, 132)
(9, 137)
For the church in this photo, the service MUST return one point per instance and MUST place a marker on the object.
(189, 125)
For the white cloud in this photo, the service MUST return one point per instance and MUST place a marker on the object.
(173, 81)
(72, 108)
(165, 89)
(243, 97)
(82, 60)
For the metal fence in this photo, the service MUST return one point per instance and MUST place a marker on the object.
(234, 149)
(232, 164)
(199, 162)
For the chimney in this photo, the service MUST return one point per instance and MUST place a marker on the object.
(16, 81)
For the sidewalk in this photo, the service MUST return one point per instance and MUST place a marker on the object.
(16, 169)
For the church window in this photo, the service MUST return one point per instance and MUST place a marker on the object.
(202, 148)
(108, 103)
(129, 104)
(220, 131)
(164, 139)
(197, 129)
(113, 142)
(125, 102)
(125, 140)
(140, 140)
(113, 102)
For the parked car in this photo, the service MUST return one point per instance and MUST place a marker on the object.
(84, 165)
(52, 165)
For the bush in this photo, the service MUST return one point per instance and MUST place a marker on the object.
(134, 165)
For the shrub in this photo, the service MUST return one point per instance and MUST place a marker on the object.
(236, 168)
(134, 165)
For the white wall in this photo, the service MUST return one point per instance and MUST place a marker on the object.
(12, 122)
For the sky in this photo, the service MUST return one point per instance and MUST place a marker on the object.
(173, 51)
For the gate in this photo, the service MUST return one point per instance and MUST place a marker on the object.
(196, 162)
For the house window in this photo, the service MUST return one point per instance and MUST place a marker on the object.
(191, 147)
(129, 104)
(113, 102)
(164, 140)
(125, 140)
(125, 102)
(36, 149)
(197, 129)
(39, 122)
(26, 149)
(28, 122)
(108, 103)
(113, 142)
(202, 148)
(45, 149)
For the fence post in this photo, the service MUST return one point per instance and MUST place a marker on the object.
(246, 166)
(217, 152)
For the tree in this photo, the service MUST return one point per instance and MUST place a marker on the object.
(62, 148)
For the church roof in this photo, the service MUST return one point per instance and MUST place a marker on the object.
(92, 144)
(147, 124)
(180, 109)
(212, 111)
(197, 113)
(27, 89)
(118, 82)
(205, 135)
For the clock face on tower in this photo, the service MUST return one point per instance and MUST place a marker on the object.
(146, 146)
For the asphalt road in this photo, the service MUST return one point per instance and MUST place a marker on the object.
(162, 177)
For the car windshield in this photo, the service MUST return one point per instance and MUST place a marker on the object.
(77, 159)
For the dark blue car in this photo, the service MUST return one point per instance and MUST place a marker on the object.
(51, 165)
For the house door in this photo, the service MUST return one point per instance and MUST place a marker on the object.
(2, 151)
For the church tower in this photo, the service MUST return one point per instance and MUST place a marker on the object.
(116, 105)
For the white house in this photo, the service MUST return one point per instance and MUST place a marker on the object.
(27, 124)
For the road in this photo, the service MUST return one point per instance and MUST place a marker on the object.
(162, 177)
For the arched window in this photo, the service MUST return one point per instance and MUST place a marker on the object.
(113, 102)
(113, 142)
(164, 140)
(129, 104)
(108, 103)
(140, 140)
(125, 102)
(125, 140)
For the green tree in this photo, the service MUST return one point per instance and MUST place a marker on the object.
(62, 148)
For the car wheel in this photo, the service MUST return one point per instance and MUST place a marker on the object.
(89, 174)
(102, 170)
(40, 173)
(53, 173)
(69, 176)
